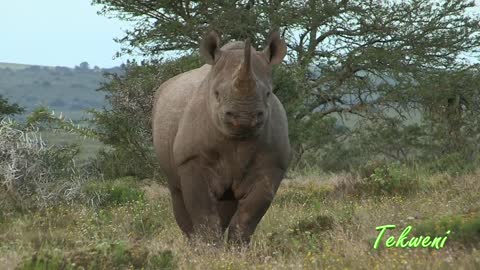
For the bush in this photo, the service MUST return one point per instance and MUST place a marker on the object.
(126, 124)
(389, 179)
(454, 163)
(33, 174)
(8, 109)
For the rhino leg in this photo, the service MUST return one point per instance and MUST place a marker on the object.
(180, 212)
(200, 202)
(263, 187)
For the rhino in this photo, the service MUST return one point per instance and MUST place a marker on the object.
(221, 137)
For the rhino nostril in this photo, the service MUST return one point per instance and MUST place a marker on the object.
(229, 114)
(260, 115)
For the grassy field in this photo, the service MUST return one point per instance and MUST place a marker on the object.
(88, 147)
(316, 222)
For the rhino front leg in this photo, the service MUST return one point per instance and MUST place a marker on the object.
(180, 212)
(200, 202)
(263, 187)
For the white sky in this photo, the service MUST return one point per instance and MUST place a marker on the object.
(57, 33)
(62, 33)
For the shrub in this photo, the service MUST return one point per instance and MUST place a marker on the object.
(454, 163)
(8, 109)
(33, 174)
(125, 125)
(389, 179)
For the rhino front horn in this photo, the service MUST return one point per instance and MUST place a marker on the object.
(244, 80)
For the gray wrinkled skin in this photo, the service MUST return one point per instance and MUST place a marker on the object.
(221, 137)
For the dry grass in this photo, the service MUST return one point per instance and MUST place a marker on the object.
(314, 223)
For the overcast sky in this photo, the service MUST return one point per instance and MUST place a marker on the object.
(60, 33)
(57, 33)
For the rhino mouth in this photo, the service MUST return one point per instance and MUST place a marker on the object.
(244, 133)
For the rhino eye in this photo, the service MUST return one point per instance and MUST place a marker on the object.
(268, 94)
(216, 94)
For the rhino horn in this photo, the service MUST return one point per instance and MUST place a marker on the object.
(244, 80)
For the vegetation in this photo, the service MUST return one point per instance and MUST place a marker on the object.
(382, 99)
(8, 109)
(34, 175)
(63, 89)
(126, 125)
(356, 71)
(312, 224)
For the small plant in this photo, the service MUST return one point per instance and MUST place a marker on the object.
(306, 194)
(454, 164)
(389, 179)
(115, 192)
(465, 229)
(314, 225)
(51, 259)
(163, 260)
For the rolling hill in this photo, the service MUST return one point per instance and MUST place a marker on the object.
(63, 89)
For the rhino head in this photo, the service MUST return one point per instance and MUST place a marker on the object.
(240, 83)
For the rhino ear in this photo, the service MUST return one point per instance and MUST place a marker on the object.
(210, 47)
(275, 49)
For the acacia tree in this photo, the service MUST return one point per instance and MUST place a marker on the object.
(368, 59)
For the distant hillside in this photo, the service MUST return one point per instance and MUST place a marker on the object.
(13, 66)
(63, 89)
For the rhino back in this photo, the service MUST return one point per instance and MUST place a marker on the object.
(171, 99)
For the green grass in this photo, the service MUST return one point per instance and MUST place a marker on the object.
(315, 222)
(116, 192)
